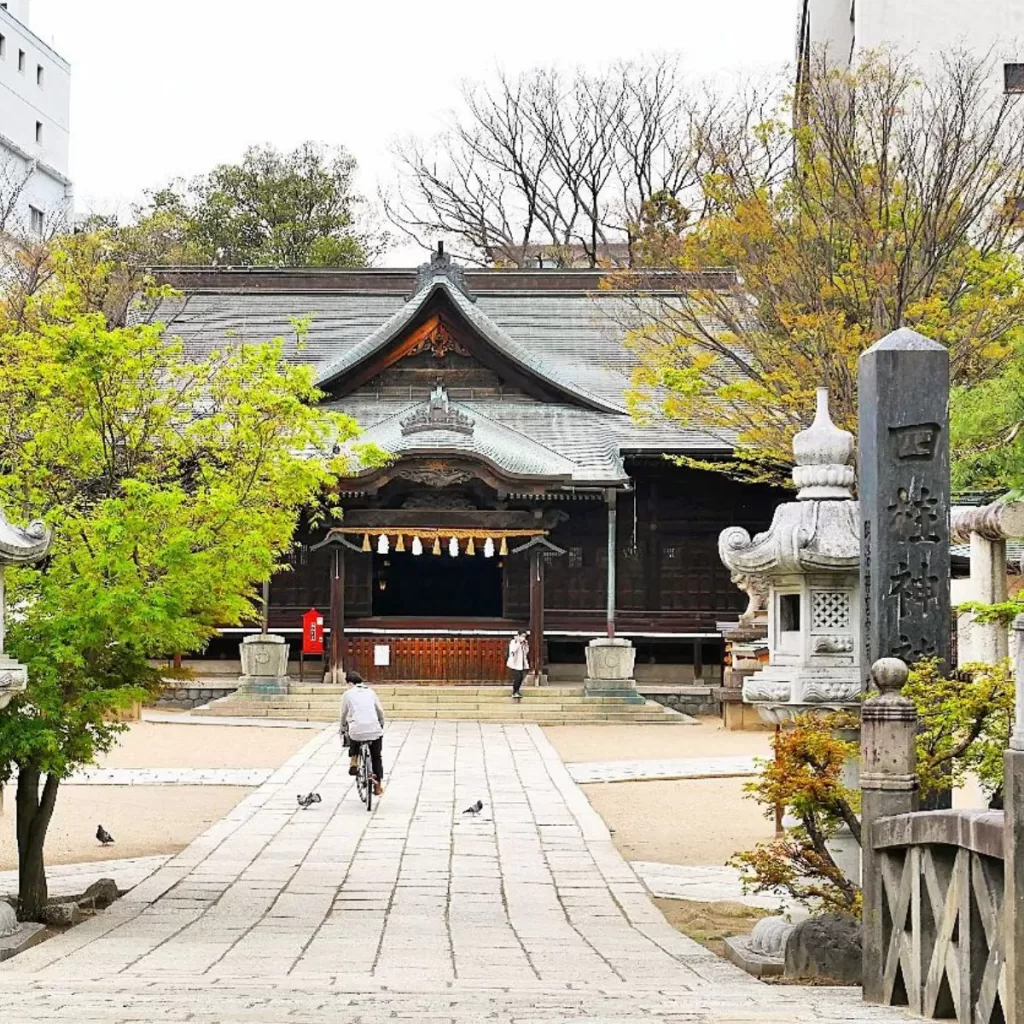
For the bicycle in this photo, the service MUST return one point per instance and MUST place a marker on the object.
(364, 776)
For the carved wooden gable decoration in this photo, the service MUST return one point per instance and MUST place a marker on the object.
(440, 335)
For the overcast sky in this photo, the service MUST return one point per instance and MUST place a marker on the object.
(169, 88)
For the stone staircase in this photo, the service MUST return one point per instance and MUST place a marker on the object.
(543, 705)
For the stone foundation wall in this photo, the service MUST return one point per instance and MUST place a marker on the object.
(698, 701)
(188, 697)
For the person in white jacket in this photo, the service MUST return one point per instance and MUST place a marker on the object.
(518, 661)
(362, 721)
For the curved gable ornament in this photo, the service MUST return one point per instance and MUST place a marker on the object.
(437, 414)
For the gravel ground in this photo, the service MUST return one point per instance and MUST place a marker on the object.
(695, 821)
(161, 745)
(144, 821)
(646, 742)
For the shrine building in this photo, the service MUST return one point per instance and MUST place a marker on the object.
(520, 492)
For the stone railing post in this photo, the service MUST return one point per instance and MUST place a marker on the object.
(888, 786)
(1013, 838)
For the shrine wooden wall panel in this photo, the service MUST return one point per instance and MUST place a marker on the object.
(429, 659)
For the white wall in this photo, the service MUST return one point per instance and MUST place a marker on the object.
(35, 89)
(921, 28)
(20, 9)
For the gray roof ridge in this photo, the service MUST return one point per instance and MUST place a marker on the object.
(494, 334)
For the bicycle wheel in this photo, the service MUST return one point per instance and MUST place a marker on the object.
(367, 775)
(362, 775)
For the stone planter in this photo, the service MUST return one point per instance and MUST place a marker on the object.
(264, 664)
(610, 662)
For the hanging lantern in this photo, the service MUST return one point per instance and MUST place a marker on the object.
(400, 543)
(470, 547)
(417, 546)
(437, 545)
(383, 544)
(488, 548)
(366, 542)
(453, 547)
(503, 550)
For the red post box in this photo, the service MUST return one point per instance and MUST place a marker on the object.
(312, 632)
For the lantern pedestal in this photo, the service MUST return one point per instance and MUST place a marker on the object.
(610, 662)
(264, 664)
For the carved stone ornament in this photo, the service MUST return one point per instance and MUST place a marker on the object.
(820, 531)
(827, 692)
(756, 589)
(18, 546)
(766, 690)
(833, 644)
(810, 560)
(437, 414)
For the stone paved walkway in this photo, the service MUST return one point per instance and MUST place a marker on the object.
(677, 768)
(525, 913)
(73, 879)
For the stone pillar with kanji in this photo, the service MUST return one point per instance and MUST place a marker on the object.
(903, 395)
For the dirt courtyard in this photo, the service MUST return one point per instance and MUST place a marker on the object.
(150, 820)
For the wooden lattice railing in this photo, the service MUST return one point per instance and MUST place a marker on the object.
(941, 876)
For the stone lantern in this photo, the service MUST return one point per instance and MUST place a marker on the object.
(17, 547)
(810, 557)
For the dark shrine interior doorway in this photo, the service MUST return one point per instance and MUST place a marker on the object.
(436, 586)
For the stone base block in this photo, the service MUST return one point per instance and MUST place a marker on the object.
(264, 684)
(740, 717)
(27, 936)
(760, 965)
(625, 688)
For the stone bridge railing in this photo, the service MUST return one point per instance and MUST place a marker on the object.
(941, 938)
(943, 890)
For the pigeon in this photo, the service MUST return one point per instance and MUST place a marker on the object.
(308, 800)
(103, 835)
(475, 809)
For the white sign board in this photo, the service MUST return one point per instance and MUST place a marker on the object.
(381, 655)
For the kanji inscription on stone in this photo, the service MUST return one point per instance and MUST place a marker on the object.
(904, 498)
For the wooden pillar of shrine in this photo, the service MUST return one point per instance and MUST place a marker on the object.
(337, 613)
(611, 498)
(537, 613)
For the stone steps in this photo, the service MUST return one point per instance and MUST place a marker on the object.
(541, 705)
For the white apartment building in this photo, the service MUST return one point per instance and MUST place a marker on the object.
(923, 29)
(35, 109)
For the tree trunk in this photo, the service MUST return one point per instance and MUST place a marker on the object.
(34, 811)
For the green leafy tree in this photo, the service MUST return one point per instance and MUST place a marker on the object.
(271, 209)
(172, 487)
(966, 720)
(896, 204)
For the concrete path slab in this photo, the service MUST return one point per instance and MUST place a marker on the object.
(525, 912)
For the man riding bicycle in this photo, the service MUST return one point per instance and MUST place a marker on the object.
(362, 721)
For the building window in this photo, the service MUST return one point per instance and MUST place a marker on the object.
(40, 74)
(3, 45)
(1013, 78)
(21, 61)
(39, 132)
(38, 220)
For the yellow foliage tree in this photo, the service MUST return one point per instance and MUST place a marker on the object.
(896, 204)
